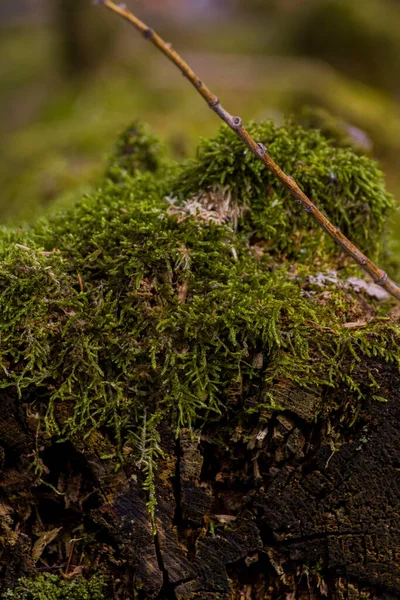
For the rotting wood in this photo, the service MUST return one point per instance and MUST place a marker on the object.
(314, 522)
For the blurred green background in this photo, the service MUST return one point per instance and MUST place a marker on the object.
(72, 75)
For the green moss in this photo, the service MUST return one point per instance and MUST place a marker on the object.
(335, 129)
(136, 150)
(52, 587)
(348, 188)
(127, 309)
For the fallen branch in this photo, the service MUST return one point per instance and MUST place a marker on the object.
(235, 123)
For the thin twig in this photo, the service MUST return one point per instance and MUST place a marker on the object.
(71, 552)
(80, 281)
(235, 123)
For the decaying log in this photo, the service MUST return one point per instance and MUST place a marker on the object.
(285, 511)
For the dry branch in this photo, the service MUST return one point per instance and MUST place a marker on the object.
(235, 123)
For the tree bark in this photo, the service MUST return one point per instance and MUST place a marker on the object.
(303, 507)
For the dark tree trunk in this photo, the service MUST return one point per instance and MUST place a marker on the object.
(85, 35)
(303, 508)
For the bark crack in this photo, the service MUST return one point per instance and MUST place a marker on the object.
(167, 591)
(320, 536)
(176, 484)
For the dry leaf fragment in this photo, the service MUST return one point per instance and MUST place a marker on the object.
(182, 291)
(44, 540)
(354, 324)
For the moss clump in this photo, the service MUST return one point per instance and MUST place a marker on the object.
(348, 188)
(52, 587)
(127, 309)
(136, 150)
(335, 129)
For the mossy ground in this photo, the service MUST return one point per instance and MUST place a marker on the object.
(52, 587)
(180, 293)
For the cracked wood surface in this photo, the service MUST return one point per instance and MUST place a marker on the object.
(294, 509)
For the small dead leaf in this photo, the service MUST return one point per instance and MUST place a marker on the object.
(322, 586)
(276, 561)
(5, 509)
(44, 540)
(355, 324)
(225, 519)
(182, 292)
(258, 361)
(75, 571)
(73, 490)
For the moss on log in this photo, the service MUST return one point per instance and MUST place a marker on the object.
(199, 398)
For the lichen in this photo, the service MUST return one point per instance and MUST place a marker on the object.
(121, 311)
(52, 587)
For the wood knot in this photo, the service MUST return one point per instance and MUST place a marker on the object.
(236, 122)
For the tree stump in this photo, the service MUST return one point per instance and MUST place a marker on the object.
(263, 513)
(190, 410)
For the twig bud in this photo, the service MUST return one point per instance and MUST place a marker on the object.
(262, 151)
(236, 122)
(382, 279)
(148, 33)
